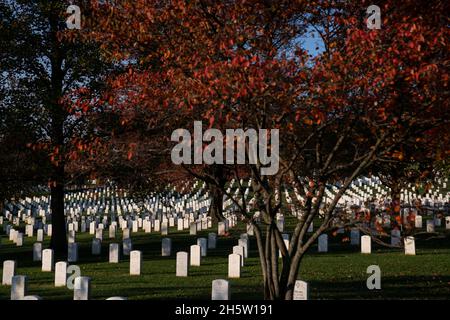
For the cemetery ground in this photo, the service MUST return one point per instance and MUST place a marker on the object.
(337, 274)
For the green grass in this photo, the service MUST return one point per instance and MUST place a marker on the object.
(338, 274)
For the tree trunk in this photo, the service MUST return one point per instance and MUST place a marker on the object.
(271, 274)
(216, 207)
(395, 191)
(289, 289)
(58, 115)
(59, 240)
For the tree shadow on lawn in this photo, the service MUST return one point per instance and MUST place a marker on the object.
(177, 292)
(392, 288)
(396, 288)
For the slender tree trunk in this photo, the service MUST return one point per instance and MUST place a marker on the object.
(274, 256)
(289, 293)
(262, 260)
(268, 281)
(216, 207)
(59, 240)
(58, 115)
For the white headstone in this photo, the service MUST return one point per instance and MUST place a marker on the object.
(29, 230)
(96, 246)
(112, 232)
(244, 243)
(182, 264)
(135, 262)
(164, 228)
(60, 274)
(221, 228)
(92, 226)
(203, 243)
(395, 237)
(49, 230)
(240, 251)
(40, 235)
(234, 266)
(430, 225)
(300, 290)
(82, 288)
(135, 226)
(114, 253)
(166, 247)
(193, 229)
(418, 221)
(147, 225)
(12, 235)
(9, 271)
(204, 223)
(19, 239)
(220, 290)
(209, 220)
(354, 237)
(125, 234)
(18, 287)
(323, 243)
(195, 255)
(366, 244)
(180, 224)
(127, 246)
(72, 254)
(157, 225)
(99, 233)
(47, 260)
(410, 247)
(37, 251)
(212, 240)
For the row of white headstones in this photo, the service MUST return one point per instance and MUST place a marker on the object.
(82, 284)
(236, 259)
(220, 287)
(87, 201)
(203, 223)
(193, 202)
(127, 205)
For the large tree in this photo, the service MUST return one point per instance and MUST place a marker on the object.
(339, 113)
(45, 71)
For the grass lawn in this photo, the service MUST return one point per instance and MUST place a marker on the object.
(338, 274)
